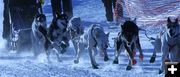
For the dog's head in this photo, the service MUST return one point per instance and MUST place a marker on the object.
(172, 27)
(129, 32)
(40, 20)
(75, 27)
(60, 21)
(101, 38)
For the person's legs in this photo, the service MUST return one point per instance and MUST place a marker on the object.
(67, 7)
(56, 7)
(114, 3)
(26, 17)
(118, 12)
(6, 23)
(108, 9)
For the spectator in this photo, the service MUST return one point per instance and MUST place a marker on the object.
(6, 23)
(118, 12)
(109, 4)
(62, 6)
(19, 14)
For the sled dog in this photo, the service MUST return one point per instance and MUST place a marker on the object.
(128, 39)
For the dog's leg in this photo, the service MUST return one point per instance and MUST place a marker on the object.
(153, 57)
(132, 61)
(118, 47)
(106, 58)
(79, 50)
(47, 55)
(75, 46)
(57, 54)
(95, 53)
(164, 51)
(56, 48)
(133, 49)
(141, 56)
(47, 50)
(92, 57)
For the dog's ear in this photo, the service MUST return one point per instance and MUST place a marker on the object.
(134, 20)
(169, 20)
(176, 21)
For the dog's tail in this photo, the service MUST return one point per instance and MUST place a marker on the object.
(150, 38)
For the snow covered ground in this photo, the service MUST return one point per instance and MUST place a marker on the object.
(91, 11)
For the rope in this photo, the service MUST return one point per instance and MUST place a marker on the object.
(150, 38)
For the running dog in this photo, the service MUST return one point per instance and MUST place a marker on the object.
(38, 36)
(170, 43)
(75, 30)
(57, 32)
(128, 38)
(94, 38)
(44, 37)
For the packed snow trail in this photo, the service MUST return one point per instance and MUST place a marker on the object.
(92, 11)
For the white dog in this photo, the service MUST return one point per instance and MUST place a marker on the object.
(93, 38)
(75, 30)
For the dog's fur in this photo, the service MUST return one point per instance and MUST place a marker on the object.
(170, 44)
(44, 37)
(93, 38)
(38, 38)
(75, 30)
(58, 33)
(156, 42)
(128, 38)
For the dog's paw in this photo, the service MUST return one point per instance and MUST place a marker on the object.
(160, 71)
(128, 68)
(76, 61)
(106, 58)
(115, 61)
(141, 56)
(95, 67)
(134, 61)
(152, 60)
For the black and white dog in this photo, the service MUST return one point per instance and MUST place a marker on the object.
(128, 38)
(57, 32)
(48, 38)
(170, 43)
